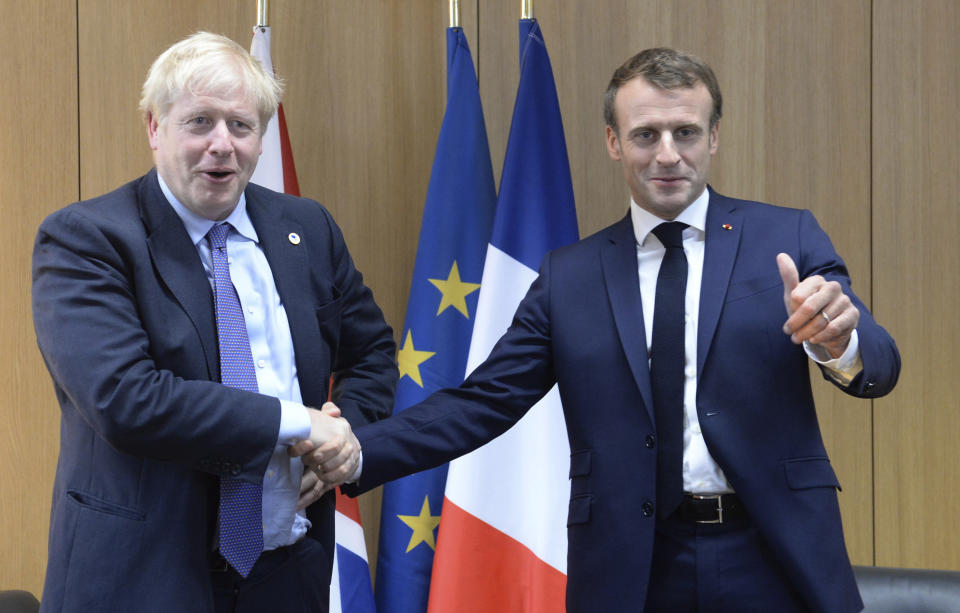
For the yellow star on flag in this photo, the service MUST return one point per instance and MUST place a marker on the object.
(409, 360)
(454, 291)
(422, 525)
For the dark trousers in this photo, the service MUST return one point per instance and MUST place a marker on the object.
(716, 568)
(294, 579)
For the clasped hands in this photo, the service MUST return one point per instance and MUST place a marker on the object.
(818, 311)
(330, 456)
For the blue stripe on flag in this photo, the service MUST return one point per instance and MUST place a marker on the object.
(535, 210)
(356, 593)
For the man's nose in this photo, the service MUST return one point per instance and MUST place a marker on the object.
(220, 141)
(667, 154)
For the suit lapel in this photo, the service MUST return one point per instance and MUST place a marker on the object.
(179, 267)
(284, 244)
(619, 262)
(724, 227)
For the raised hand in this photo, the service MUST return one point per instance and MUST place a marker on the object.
(817, 310)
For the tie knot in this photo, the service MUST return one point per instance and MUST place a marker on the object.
(218, 235)
(670, 233)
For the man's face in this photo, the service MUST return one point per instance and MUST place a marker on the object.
(664, 143)
(206, 149)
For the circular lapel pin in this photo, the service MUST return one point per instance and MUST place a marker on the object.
(725, 226)
(294, 238)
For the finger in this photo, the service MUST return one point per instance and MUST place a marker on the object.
(300, 448)
(311, 495)
(790, 278)
(308, 480)
(330, 409)
(817, 297)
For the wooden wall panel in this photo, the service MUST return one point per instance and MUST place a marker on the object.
(795, 131)
(916, 157)
(38, 173)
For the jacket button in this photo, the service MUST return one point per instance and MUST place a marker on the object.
(647, 509)
(650, 442)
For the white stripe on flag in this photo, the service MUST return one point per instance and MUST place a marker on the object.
(485, 483)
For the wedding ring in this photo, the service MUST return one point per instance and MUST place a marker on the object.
(825, 316)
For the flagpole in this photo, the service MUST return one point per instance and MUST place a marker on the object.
(263, 13)
(526, 9)
(454, 13)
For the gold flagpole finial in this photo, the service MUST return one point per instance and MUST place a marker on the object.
(454, 13)
(263, 13)
(526, 9)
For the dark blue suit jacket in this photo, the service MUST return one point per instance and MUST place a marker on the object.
(581, 326)
(125, 321)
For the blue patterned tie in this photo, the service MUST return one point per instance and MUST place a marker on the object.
(241, 524)
(666, 366)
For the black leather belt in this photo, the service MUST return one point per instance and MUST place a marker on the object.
(710, 509)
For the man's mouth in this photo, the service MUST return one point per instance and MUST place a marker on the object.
(218, 175)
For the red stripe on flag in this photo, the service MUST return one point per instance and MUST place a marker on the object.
(290, 183)
(348, 506)
(479, 569)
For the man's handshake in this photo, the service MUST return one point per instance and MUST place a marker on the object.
(331, 456)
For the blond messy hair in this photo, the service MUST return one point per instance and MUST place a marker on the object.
(208, 64)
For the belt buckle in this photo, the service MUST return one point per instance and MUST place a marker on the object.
(719, 499)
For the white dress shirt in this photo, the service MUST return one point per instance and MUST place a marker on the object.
(271, 346)
(701, 474)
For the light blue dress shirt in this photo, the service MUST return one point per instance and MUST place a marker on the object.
(272, 348)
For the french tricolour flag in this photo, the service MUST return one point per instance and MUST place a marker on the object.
(350, 587)
(502, 544)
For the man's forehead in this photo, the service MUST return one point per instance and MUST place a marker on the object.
(638, 99)
(234, 100)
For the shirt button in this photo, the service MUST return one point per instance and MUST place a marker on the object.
(270, 473)
(229, 260)
(690, 371)
(250, 310)
(695, 428)
(261, 363)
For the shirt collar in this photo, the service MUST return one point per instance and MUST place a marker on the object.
(695, 216)
(197, 226)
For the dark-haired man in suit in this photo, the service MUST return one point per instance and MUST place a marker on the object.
(680, 339)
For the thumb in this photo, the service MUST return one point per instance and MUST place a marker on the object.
(790, 277)
(330, 409)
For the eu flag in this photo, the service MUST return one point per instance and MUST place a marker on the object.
(456, 226)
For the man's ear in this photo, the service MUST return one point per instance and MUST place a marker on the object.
(613, 144)
(152, 126)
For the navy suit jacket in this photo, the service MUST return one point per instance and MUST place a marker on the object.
(581, 326)
(125, 321)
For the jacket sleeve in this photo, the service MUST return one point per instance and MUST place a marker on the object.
(878, 351)
(455, 421)
(88, 324)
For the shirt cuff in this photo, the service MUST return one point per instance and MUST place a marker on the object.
(294, 423)
(356, 474)
(844, 369)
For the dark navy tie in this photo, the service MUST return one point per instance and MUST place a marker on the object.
(241, 524)
(666, 366)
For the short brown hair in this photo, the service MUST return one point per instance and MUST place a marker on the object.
(667, 69)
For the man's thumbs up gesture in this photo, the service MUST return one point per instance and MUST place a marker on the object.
(818, 311)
